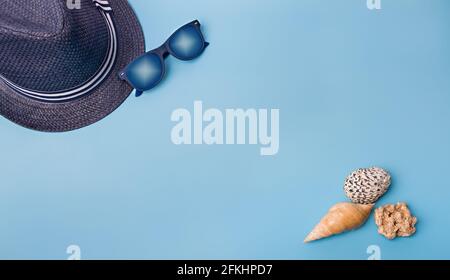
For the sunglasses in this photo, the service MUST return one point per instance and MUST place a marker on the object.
(147, 71)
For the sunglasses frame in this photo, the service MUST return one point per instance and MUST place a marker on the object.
(163, 52)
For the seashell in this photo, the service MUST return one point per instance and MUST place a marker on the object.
(367, 185)
(395, 220)
(340, 218)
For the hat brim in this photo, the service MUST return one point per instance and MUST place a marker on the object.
(86, 110)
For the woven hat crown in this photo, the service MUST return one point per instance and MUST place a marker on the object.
(47, 46)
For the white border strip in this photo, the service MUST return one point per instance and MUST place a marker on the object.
(102, 4)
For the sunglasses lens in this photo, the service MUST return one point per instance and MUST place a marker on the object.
(145, 72)
(187, 43)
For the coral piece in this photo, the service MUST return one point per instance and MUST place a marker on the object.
(395, 220)
(340, 218)
(367, 185)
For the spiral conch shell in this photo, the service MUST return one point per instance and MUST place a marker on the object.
(340, 218)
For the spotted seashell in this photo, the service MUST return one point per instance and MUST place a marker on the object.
(367, 185)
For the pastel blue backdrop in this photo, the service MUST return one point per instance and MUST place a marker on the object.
(356, 88)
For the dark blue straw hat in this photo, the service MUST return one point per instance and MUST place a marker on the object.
(59, 62)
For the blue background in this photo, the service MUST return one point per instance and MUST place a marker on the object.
(355, 87)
